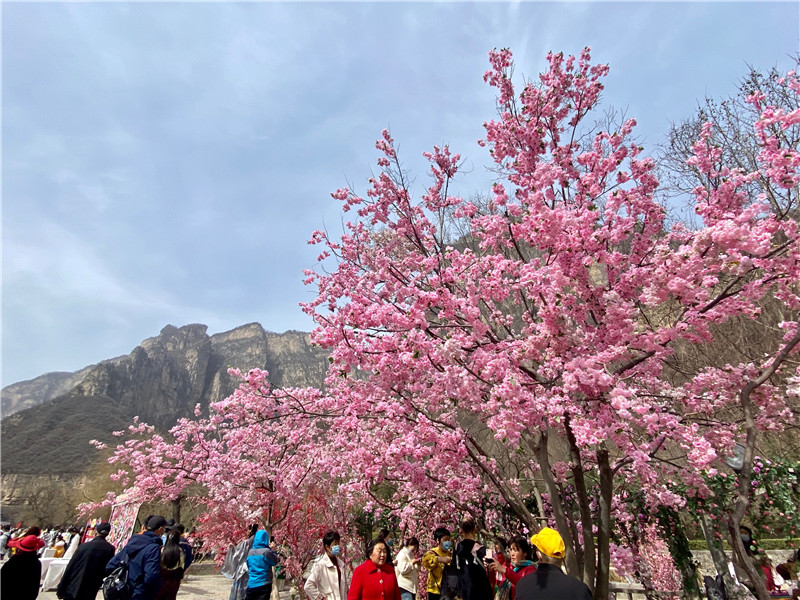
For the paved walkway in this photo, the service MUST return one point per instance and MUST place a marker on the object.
(196, 587)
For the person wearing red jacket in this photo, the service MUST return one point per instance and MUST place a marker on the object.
(500, 551)
(374, 579)
(521, 563)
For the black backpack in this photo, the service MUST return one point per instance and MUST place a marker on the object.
(450, 587)
(116, 585)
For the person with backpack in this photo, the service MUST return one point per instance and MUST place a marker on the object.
(435, 560)
(473, 581)
(143, 555)
(86, 569)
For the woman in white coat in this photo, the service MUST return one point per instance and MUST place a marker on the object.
(407, 569)
(328, 579)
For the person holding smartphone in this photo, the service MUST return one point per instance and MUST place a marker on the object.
(498, 554)
(407, 569)
(521, 563)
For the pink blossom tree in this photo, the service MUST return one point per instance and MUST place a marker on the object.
(252, 460)
(527, 355)
(519, 351)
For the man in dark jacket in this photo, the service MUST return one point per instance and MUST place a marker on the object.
(473, 582)
(87, 567)
(549, 582)
(144, 560)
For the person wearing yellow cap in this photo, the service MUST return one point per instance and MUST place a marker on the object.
(549, 582)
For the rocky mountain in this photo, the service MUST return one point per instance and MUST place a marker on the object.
(25, 394)
(51, 419)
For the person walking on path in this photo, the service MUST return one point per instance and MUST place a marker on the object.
(407, 570)
(144, 560)
(235, 565)
(328, 579)
(21, 575)
(549, 582)
(260, 561)
(374, 579)
(173, 561)
(84, 574)
(188, 554)
(435, 560)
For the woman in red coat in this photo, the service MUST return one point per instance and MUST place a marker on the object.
(374, 579)
(521, 563)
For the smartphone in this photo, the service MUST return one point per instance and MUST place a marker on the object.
(488, 560)
(489, 554)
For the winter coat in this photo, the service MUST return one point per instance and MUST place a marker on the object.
(144, 566)
(324, 582)
(514, 574)
(431, 563)
(260, 561)
(549, 582)
(406, 571)
(84, 573)
(20, 576)
(373, 582)
(473, 582)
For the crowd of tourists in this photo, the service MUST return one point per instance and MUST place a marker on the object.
(62, 541)
(520, 569)
(156, 561)
(158, 557)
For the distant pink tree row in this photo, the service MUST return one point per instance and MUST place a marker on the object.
(523, 351)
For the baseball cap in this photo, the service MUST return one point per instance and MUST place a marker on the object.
(103, 528)
(549, 542)
(156, 522)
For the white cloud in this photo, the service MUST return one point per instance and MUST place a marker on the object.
(166, 162)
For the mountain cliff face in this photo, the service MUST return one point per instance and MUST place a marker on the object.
(52, 418)
(25, 394)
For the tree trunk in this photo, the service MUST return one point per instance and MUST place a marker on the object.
(742, 502)
(176, 508)
(718, 556)
(557, 505)
(604, 526)
(589, 553)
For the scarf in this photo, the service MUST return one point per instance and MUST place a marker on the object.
(522, 565)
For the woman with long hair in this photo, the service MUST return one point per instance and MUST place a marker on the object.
(172, 561)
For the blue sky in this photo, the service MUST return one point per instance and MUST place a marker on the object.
(167, 162)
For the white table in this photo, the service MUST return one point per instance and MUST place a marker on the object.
(54, 573)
